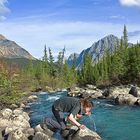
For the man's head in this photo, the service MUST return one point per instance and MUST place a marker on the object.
(87, 106)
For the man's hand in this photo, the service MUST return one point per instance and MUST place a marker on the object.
(82, 126)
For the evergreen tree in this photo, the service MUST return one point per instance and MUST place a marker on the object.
(45, 64)
(45, 57)
(74, 62)
(87, 70)
(125, 37)
(52, 69)
(132, 71)
(59, 64)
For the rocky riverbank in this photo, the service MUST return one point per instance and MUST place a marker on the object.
(15, 125)
(122, 95)
(15, 122)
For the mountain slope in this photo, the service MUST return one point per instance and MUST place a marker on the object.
(9, 49)
(97, 50)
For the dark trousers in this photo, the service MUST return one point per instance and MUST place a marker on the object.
(60, 123)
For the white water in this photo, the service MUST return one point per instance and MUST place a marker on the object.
(52, 98)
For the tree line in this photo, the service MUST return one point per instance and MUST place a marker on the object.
(120, 67)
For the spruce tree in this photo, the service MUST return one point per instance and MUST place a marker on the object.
(125, 37)
(52, 69)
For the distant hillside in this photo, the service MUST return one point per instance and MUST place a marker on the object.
(10, 49)
(20, 62)
(97, 50)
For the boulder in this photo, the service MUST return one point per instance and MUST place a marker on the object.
(106, 92)
(91, 86)
(32, 98)
(26, 116)
(133, 91)
(22, 105)
(29, 133)
(87, 134)
(5, 122)
(10, 129)
(117, 91)
(137, 102)
(138, 89)
(6, 113)
(18, 111)
(42, 136)
(13, 106)
(125, 99)
(49, 89)
(17, 135)
(46, 131)
(82, 134)
(93, 93)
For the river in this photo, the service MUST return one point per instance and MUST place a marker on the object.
(111, 122)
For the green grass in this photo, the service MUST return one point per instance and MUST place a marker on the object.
(13, 98)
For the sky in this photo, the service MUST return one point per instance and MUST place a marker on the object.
(75, 24)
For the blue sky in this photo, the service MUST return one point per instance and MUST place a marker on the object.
(77, 24)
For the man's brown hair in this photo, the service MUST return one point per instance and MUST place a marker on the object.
(86, 103)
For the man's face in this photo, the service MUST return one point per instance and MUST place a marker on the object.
(88, 111)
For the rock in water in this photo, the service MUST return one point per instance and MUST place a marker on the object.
(32, 98)
(82, 134)
(106, 92)
(125, 99)
(133, 91)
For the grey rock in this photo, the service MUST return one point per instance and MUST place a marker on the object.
(6, 113)
(133, 91)
(125, 99)
(29, 133)
(91, 87)
(106, 92)
(32, 98)
(46, 131)
(42, 136)
(17, 135)
(13, 106)
(82, 134)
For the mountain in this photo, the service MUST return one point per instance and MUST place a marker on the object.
(71, 58)
(11, 50)
(97, 50)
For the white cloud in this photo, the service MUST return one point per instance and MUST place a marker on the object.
(76, 36)
(130, 2)
(3, 9)
(117, 17)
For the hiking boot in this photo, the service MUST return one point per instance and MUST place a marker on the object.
(64, 133)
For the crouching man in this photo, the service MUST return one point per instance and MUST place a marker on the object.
(74, 107)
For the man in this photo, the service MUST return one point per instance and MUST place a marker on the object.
(74, 107)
